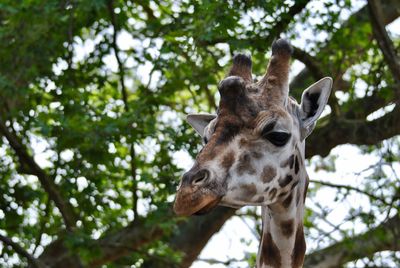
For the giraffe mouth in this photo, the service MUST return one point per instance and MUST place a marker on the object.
(206, 209)
(189, 203)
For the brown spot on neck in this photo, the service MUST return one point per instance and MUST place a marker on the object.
(286, 203)
(285, 181)
(296, 165)
(287, 227)
(268, 174)
(269, 254)
(282, 194)
(305, 189)
(300, 157)
(299, 249)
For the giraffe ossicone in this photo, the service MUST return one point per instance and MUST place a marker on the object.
(254, 154)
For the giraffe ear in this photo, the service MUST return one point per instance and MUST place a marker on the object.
(313, 102)
(200, 121)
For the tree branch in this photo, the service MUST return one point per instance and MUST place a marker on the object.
(262, 42)
(316, 71)
(358, 132)
(281, 25)
(202, 229)
(108, 248)
(194, 234)
(362, 107)
(21, 251)
(310, 62)
(125, 241)
(121, 69)
(390, 11)
(113, 246)
(383, 237)
(121, 73)
(351, 188)
(383, 39)
(226, 263)
(210, 98)
(46, 181)
(147, 9)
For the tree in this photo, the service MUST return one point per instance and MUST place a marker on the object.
(93, 95)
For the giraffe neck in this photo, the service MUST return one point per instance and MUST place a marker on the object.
(283, 243)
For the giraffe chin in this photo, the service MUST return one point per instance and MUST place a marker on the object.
(208, 207)
(186, 206)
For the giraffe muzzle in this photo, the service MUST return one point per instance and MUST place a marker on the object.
(191, 201)
(194, 195)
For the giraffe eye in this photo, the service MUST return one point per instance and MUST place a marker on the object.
(278, 138)
(205, 140)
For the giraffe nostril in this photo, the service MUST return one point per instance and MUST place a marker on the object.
(200, 177)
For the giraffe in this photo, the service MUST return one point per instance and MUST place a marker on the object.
(254, 154)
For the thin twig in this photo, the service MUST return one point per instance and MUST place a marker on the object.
(350, 188)
(121, 69)
(215, 261)
(21, 251)
(309, 61)
(383, 39)
(121, 73)
(46, 181)
(70, 33)
(252, 230)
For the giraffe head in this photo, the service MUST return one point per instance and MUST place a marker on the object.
(254, 146)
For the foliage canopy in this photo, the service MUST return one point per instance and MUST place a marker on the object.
(92, 99)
